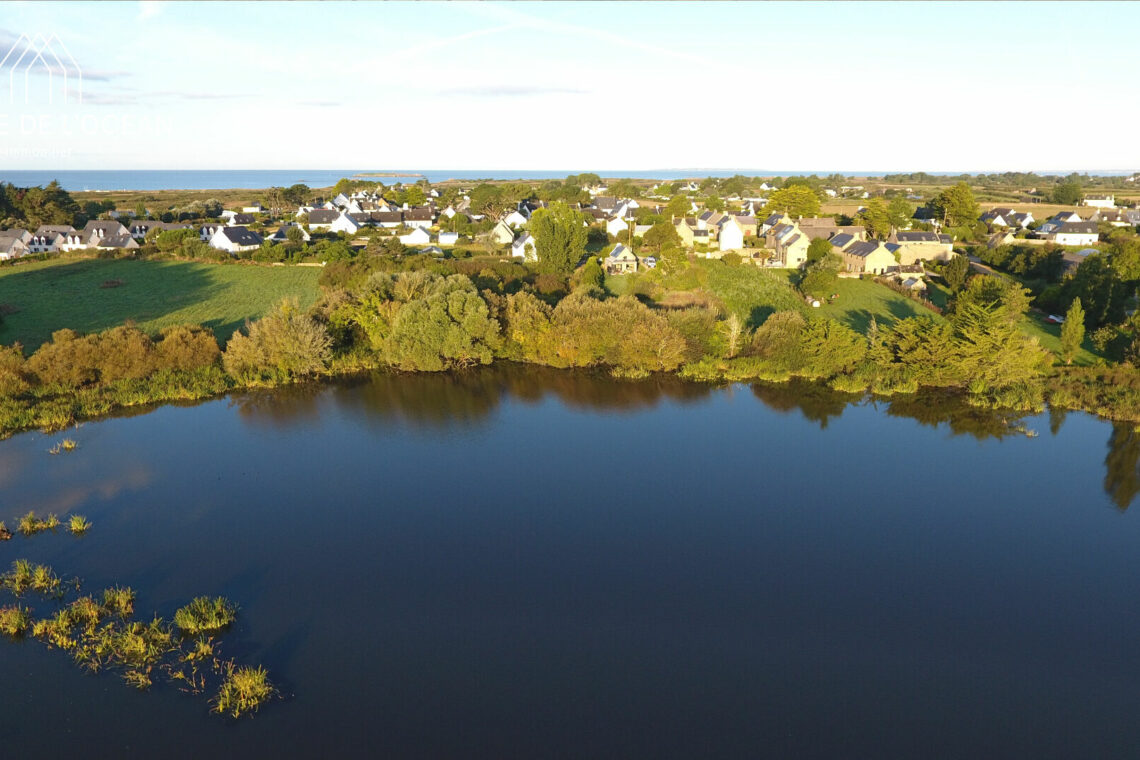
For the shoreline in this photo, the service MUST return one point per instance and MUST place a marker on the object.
(58, 412)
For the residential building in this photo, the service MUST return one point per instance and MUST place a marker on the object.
(1076, 233)
(731, 235)
(1099, 200)
(621, 260)
(322, 218)
(15, 243)
(235, 239)
(868, 257)
(915, 246)
(502, 234)
(418, 236)
(524, 248)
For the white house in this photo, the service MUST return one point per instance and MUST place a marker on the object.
(1076, 233)
(256, 208)
(418, 236)
(418, 217)
(616, 225)
(235, 239)
(344, 223)
(14, 243)
(448, 238)
(49, 238)
(523, 248)
(207, 231)
(322, 218)
(731, 237)
(502, 234)
(1100, 201)
(515, 219)
(621, 260)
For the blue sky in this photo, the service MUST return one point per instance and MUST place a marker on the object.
(808, 86)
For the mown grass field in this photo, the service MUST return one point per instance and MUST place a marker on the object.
(38, 298)
(860, 300)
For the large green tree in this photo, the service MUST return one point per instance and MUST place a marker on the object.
(1067, 193)
(795, 201)
(1072, 331)
(559, 237)
(899, 212)
(956, 205)
(876, 219)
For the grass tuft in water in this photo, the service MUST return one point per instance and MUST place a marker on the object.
(119, 601)
(78, 524)
(205, 615)
(5, 534)
(244, 690)
(30, 525)
(15, 621)
(25, 576)
(67, 444)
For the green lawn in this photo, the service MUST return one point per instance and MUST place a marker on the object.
(40, 297)
(859, 300)
(1049, 336)
(749, 291)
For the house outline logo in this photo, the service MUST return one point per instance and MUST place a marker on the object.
(45, 50)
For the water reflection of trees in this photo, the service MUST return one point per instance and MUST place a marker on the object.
(458, 399)
(447, 400)
(815, 402)
(934, 408)
(1122, 465)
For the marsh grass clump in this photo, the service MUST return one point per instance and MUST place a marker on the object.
(15, 621)
(78, 525)
(56, 631)
(244, 690)
(20, 577)
(86, 612)
(100, 634)
(26, 576)
(205, 615)
(119, 601)
(44, 580)
(30, 525)
(5, 534)
(66, 445)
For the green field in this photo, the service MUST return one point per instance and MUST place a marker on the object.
(859, 300)
(38, 298)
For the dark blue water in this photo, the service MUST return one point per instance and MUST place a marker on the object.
(533, 564)
(192, 179)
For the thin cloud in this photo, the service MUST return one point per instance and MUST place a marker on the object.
(509, 91)
(321, 103)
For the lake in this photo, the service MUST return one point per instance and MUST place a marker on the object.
(517, 562)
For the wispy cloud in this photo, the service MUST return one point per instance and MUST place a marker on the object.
(321, 103)
(509, 91)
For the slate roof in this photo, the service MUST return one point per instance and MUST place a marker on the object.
(917, 236)
(241, 236)
(323, 216)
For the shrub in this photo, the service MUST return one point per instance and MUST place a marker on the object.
(282, 345)
(186, 347)
(14, 374)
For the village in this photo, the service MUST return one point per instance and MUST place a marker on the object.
(747, 229)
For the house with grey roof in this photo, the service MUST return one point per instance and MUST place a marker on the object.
(15, 243)
(235, 239)
(916, 245)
